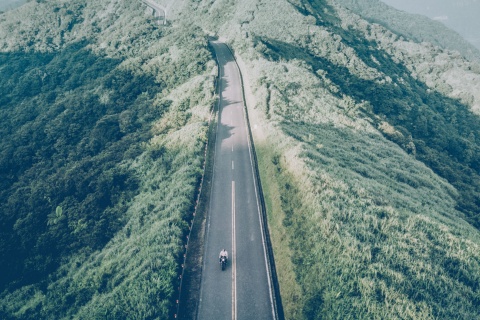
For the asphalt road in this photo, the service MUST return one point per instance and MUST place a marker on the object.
(242, 291)
(157, 8)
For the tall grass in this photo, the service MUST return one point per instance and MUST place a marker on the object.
(361, 229)
(371, 232)
(135, 274)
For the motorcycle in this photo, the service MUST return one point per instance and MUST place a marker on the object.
(223, 262)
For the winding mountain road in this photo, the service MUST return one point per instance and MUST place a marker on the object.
(156, 9)
(243, 290)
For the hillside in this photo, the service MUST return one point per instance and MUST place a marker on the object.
(103, 125)
(6, 5)
(368, 146)
(415, 27)
(459, 16)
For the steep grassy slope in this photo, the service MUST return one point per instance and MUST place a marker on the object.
(368, 147)
(369, 161)
(103, 124)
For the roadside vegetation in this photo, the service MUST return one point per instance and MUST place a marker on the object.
(368, 147)
(368, 153)
(104, 119)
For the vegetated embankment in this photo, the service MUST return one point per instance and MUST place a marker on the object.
(365, 222)
(104, 121)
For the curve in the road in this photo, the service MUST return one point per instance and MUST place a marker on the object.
(157, 8)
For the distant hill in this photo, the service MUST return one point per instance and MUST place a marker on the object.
(416, 27)
(367, 137)
(461, 16)
(11, 4)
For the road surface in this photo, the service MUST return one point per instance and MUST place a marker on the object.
(156, 10)
(242, 291)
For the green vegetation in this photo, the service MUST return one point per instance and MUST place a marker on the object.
(382, 240)
(371, 175)
(103, 124)
(370, 165)
(419, 28)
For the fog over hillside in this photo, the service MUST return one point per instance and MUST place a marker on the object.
(415, 27)
(10, 4)
(461, 16)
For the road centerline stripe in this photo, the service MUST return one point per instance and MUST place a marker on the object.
(234, 267)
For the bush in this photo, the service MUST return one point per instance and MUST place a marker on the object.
(78, 129)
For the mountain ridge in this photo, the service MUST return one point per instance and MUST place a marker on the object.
(334, 88)
(416, 27)
(367, 145)
(102, 157)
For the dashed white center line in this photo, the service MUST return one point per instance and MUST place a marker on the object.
(234, 266)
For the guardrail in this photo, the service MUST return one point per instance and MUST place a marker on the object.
(202, 201)
(157, 8)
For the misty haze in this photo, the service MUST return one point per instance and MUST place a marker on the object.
(331, 147)
(461, 16)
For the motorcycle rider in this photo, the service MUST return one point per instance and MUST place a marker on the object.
(223, 253)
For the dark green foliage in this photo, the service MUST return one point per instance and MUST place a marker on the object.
(61, 147)
(443, 130)
(313, 307)
(368, 231)
(430, 275)
(98, 174)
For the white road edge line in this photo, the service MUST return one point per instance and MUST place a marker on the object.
(233, 258)
(207, 228)
(258, 205)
